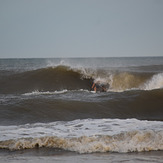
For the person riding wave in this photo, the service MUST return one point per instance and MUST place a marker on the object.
(97, 87)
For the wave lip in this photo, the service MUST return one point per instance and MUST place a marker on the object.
(86, 136)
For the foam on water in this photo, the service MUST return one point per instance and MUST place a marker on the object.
(36, 92)
(156, 82)
(86, 136)
(45, 93)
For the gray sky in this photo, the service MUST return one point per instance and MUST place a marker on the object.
(81, 28)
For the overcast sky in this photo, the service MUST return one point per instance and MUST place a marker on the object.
(81, 28)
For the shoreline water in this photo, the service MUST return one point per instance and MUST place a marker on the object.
(41, 155)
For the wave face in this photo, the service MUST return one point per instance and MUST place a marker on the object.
(46, 79)
(49, 103)
(86, 136)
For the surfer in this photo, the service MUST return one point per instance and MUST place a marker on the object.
(99, 87)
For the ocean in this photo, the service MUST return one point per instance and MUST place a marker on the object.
(49, 112)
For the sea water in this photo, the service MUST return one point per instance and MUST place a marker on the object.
(48, 111)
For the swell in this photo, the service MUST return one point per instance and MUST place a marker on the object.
(64, 77)
(70, 105)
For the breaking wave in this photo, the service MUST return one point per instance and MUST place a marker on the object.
(156, 82)
(86, 136)
(61, 78)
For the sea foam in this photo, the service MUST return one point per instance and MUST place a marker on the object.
(156, 82)
(86, 136)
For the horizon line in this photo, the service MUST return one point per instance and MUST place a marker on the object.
(78, 57)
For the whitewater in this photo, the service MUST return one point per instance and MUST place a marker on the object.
(86, 136)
